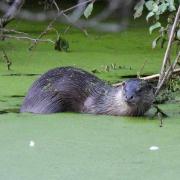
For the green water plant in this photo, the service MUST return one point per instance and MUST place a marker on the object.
(170, 32)
(156, 10)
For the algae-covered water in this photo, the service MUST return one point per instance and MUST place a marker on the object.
(74, 146)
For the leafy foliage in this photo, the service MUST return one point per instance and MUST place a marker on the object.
(88, 10)
(61, 45)
(156, 9)
(169, 94)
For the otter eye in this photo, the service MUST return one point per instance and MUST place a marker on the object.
(139, 90)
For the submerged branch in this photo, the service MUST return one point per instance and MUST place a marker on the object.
(7, 60)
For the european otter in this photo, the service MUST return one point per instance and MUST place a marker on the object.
(72, 89)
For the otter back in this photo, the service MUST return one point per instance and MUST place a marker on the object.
(62, 89)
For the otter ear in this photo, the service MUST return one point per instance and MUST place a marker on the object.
(154, 89)
(151, 86)
(123, 83)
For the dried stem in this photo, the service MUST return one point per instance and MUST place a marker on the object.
(50, 25)
(151, 77)
(141, 69)
(7, 60)
(164, 73)
(4, 30)
(29, 38)
(96, 22)
(11, 12)
(167, 74)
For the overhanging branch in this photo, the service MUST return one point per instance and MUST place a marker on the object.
(10, 12)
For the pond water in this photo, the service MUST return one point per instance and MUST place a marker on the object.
(81, 146)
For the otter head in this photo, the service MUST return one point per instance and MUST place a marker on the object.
(138, 94)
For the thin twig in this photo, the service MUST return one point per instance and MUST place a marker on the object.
(151, 77)
(13, 31)
(156, 76)
(57, 7)
(29, 38)
(54, 20)
(7, 60)
(48, 28)
(160, 114)
(167, 74)
(11, 12)
(141, 69)
(96, 22)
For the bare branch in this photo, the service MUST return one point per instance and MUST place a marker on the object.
(151, 77)
(77, 13)
(50, 25)
(29, 38)
(7, 60)
(168, 50)
(95, 22)
(167, 74)
(11, 12)
(4, 30)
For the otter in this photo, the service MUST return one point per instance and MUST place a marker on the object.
(75, 90)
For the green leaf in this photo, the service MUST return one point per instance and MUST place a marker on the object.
(155, 8)
(139, 9)
(163, 7)
(61, 45)
(150, 14)
(154, 43)
(171, 5)
(149, 5)
(154, 26)
(88, 10)
(162, 30)
(178, 34)
(163, 42)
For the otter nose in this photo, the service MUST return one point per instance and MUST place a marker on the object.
(129, 98)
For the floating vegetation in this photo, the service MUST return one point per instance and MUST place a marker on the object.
(13, 110)
(20, 74)
(110, 68)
